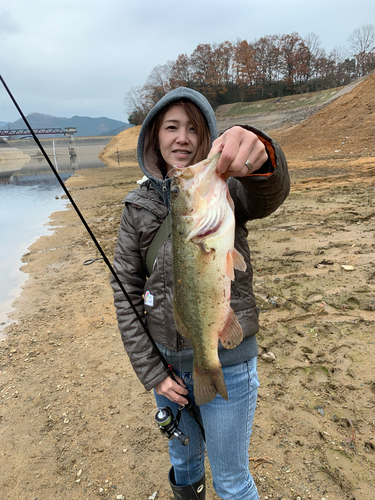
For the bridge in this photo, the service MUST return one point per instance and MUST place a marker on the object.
(68, 132)
(37, 131)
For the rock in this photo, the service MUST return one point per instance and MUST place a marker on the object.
(348, 268)
(321, 411)
(269, 357)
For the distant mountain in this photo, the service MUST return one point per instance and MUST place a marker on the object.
(86, 126)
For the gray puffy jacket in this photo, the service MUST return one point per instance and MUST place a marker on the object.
(145, 208)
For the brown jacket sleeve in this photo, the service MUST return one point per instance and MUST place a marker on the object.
(135, 235)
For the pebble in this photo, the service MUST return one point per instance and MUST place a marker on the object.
(269, 357)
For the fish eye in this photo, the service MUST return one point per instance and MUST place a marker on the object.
(175, 190)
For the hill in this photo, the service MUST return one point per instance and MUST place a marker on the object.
(283, 111)
(122, 149)
(345, 128)
(86, 126)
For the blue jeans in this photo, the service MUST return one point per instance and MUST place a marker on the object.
(227, 427)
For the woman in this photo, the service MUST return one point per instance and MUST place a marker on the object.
(181, 130)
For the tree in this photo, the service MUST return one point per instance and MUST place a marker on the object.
(294, 54)
(158, 81)
(244, 67)
(181, 73)
(363, 48)
(223, 58)
(137, 105)
(333, 69)
(206, 72)
(268, 63)
(314, 54)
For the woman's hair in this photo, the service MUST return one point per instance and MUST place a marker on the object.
(199, 123)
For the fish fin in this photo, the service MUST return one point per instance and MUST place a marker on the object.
(207, 383)
(234, 261)
(229, 272)
(231, 335)
(238, 261)
(180, 327)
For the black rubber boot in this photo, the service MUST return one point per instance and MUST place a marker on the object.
(196, 491)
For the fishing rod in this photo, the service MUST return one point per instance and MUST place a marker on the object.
(167, 425)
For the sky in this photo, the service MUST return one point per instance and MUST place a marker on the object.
(81, 57)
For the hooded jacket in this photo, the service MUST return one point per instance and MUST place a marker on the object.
(145, 208)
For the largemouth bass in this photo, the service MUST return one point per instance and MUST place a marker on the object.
(203, 265)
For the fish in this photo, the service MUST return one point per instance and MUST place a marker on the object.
(203, 263)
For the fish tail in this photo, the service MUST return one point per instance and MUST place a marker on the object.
(207, 383)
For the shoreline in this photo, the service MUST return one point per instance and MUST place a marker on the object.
(21, 228)
(76, 423)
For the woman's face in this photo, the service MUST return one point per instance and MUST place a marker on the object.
(178, 140)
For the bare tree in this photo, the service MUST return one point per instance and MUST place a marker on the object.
(363, 39)
(137, 105)
(158, 81)
(363, 48)
(315, 53)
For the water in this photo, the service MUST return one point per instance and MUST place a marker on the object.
(28, 192)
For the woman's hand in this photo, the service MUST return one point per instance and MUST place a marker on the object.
(173, 391)
(238, 146)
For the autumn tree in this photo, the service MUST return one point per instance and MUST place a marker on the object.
(244, 67)
(268, 64)
(334, 69)
(181, 72)
(206, 72)
(294, 56)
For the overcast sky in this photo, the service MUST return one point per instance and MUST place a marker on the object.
(80, 57)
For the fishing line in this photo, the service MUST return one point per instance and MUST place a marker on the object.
(109, 265)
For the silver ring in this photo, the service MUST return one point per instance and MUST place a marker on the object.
(249, 165)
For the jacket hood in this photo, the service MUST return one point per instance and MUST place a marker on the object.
(147, 156)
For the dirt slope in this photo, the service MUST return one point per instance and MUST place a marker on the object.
(343, 129)
(121, 151)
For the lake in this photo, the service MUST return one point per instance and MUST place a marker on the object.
(29, 194)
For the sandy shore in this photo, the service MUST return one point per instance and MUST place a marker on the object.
(75, 423)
